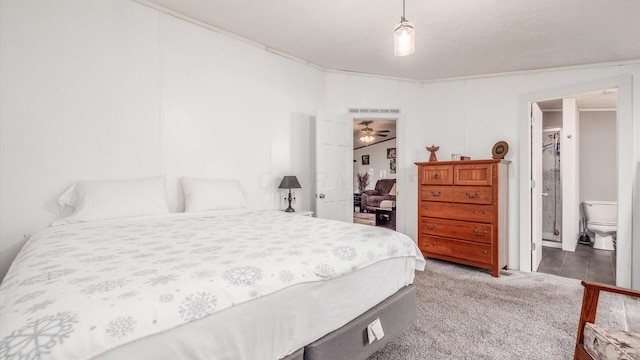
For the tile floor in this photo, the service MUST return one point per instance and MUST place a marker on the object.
(586, 263)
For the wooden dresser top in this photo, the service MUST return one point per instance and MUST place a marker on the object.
(462, 162)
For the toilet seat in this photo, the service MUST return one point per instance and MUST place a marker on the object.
(603, 228)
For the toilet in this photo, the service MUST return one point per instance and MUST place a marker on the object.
(602, 220)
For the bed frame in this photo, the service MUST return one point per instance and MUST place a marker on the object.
(396, 313)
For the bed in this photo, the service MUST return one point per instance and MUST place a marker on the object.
(224, 284)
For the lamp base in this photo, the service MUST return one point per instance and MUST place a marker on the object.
(289, 208)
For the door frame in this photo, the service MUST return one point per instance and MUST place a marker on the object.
(627, 159)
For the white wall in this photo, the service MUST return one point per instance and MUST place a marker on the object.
(378, 167)
(234, 110)
(598, 163)
(114, 89)
(598, 144)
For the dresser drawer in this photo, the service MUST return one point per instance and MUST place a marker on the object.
(473, 174)
(467, 212)
(436, 175)
(473, 194)
(437, 193)
(456, 229)
(456, 248)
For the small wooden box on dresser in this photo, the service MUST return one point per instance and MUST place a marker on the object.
(462, 212)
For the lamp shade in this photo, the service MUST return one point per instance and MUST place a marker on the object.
(393, 191)
(404, 39)
(289, 182)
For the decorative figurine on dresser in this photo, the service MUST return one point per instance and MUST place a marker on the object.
(462, 212)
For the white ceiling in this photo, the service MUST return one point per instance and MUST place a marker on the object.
(597, 100)
(453, 37)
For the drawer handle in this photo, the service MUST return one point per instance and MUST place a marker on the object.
(472, 196)
(430, 227)
(480, 234)
(434, 193)
(433, 243)
(476, 211)
(436, 176)
(484, 252)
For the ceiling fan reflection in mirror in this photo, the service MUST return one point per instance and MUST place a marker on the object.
(367, 134)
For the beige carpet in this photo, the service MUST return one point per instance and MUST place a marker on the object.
(465, 313)
(632, 312)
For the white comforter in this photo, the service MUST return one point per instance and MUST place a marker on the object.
(77, 291)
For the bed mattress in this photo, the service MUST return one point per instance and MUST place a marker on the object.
(226, 285)
(274, 326)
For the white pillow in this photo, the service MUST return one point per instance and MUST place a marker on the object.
(69, 198)
(213, 194)
(100, 200)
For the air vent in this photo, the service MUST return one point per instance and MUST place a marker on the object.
(374, 111)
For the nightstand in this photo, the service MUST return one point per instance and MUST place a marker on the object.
(302, 213)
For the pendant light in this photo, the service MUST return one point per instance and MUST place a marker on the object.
(404, 37)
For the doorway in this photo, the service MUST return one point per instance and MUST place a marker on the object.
(334, 171)
(375, 156)
(627, 161)
(585, 174)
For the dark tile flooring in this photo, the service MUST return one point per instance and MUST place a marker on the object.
(586, 263)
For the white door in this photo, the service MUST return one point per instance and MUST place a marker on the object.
(334, 157)
(536, 188)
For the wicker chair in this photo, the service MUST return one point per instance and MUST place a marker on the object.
(608, 343)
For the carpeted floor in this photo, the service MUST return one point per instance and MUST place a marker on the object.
(465, 313)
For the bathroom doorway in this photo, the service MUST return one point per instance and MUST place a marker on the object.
(588, 133)
(628, 244)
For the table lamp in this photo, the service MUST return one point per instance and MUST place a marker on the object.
(290, 182)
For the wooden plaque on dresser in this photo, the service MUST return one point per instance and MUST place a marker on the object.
(462, 212)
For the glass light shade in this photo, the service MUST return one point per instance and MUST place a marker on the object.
(366, 138)
(404, 38)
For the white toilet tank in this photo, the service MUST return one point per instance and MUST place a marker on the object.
(602, 212)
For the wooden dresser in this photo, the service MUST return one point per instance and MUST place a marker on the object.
(462, 212)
